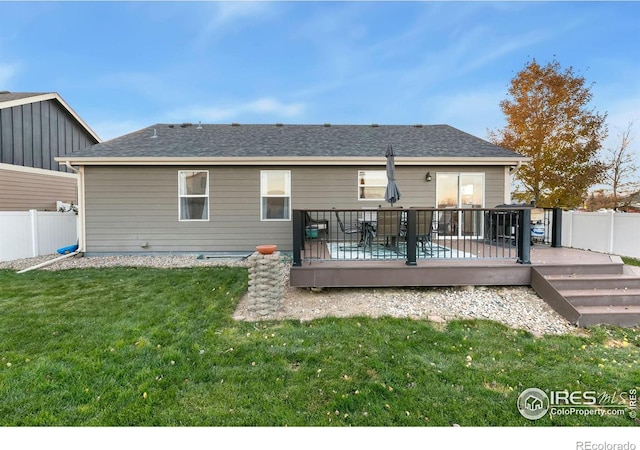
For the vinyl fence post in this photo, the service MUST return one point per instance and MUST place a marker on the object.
(612, 226)
(34, 232)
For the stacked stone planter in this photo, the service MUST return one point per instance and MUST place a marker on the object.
(266, 287)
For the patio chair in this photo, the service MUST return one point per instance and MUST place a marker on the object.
(347, 230)
(445, 224)
(424, 228)
(317, 224)
(388, 227)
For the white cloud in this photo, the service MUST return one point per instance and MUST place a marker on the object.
(265, 106)
(7, 72)
(436, 48)
(227, 12)
(513, 44)
(232, 15)
(269, 106)
(476, 111)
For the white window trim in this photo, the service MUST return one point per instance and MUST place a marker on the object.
(287, 194)
(206, 195)
(370, 185)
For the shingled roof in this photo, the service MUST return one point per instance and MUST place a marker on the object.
(296, 141)
(6, 96)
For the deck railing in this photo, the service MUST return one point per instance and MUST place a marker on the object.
(419, 234)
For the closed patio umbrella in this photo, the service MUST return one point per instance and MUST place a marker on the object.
(392, 194)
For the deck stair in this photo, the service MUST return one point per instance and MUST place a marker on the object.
(591, 295)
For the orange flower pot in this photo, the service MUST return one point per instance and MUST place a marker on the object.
(266, 249)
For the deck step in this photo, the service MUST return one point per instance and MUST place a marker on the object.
(622, 316)
(601, 297)
(583, 269)
(593, 294)
(594, 281)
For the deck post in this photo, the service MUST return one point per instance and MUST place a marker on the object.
(556, 231)
(524, 236)
(298, 236)
(411, 238)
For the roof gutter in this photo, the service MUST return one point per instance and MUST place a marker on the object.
(292, 160)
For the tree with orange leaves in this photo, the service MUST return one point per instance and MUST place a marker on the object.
(549, 120)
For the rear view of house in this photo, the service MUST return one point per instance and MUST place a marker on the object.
(173, 188)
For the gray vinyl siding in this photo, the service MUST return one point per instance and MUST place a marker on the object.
(319, 187)
(32, 135)
(22, 191)
(135, 209)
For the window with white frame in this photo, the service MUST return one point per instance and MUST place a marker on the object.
(372, 184)
(193, 195)
(275, 194)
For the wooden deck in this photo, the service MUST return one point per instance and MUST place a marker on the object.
(547, 256)
(327, 272)
(587, 288)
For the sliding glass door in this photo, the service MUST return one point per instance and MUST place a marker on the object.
(465, 191)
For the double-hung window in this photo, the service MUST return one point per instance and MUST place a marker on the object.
(372, 184)
(275, 194)
(193, 195)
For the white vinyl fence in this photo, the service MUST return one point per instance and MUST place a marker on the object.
(24, 234)
(606, 232)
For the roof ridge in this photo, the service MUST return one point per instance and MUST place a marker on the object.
(274, 140)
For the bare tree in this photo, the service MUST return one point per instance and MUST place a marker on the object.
(622, 167)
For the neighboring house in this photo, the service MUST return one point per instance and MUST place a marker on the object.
(221, 188)
(35, 128)
(631, 203)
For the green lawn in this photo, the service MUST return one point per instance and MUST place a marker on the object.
(154, 347)
(631, 261)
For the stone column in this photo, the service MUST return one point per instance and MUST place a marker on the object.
(266, 287)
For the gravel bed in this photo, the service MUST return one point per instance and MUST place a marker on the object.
(80, 262)
(516, 306)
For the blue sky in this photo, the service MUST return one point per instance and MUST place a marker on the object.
(123, 66)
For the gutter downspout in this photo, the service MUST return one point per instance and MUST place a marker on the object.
(507, 190)
(81, 208)
(46, 263)
(512, 170)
